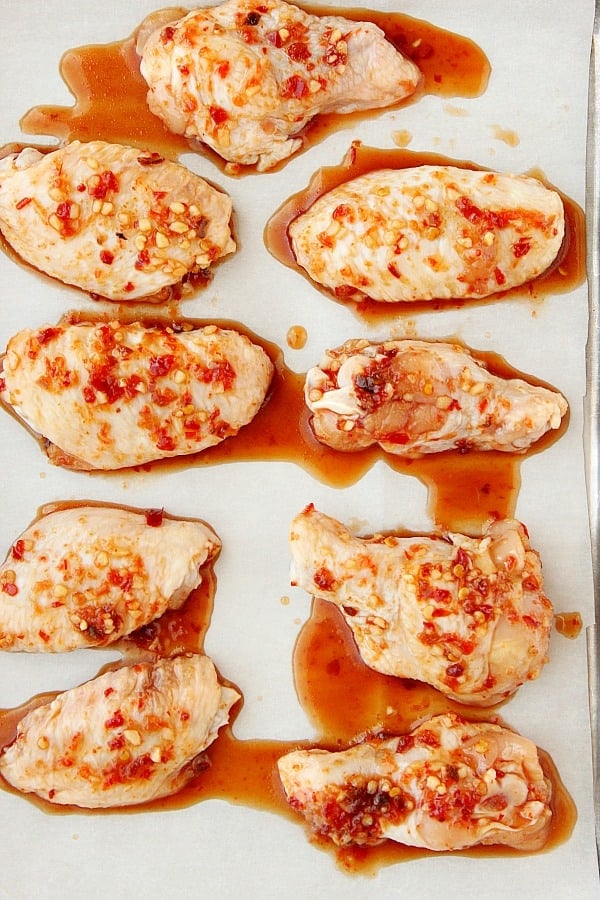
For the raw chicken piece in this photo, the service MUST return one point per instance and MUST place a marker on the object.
(88, 575)
(127, 737)
(468, 616)
(246, 77)
(417, 397)
(116, 221)
(448, 785)
(429, 232)
(109, 395)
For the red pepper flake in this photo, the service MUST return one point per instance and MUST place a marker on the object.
(107, 257)
(324, 579)
(161, 365)
(81, 188)
(2, 385)
(151, 159)
(115, 721)
(44, 636)
(499, 276)
(223, 69)
(24, 202)
(455, 670)
(521, 247)
(63, 210)
(143, 259)
(154, 517)
(18, 550)
(107, 182)
(218, 114)
(89, 394)
(129, 287)
(10, 588)
(274, 38)
(298, 52)
(294, 87)
(167, 34)
(393, 270)
(108, 691)
(165, 442)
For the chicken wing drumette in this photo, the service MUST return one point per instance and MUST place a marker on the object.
(246, 77)
(115, 221)
(468, 616)
(447, 785)
(415, 397)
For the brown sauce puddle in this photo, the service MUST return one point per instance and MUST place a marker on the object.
(566, 272)
(110, 93)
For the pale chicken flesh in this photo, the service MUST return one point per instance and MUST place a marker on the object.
(88, 575)
(246, 77)
(429, 232)
(416, 397)
(448, 785)
(127, 737)
(116, 221)
(466, 615)
(111, 395)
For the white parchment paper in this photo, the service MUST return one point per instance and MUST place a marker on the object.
(539, 51)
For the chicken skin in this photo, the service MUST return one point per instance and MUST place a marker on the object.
(127, 737)
(429, 232)
(110, 395)
(115, 221)
(86, 576)
(245, 78)
(468, 616)
(416, 397)
(448, 785)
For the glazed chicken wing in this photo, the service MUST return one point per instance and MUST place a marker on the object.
(416, 397)
(246, 77)
(448, 785)
(429, 232)
(88, 575)
(468, 616)
(127, 737)
(116, 221)
(109, 395)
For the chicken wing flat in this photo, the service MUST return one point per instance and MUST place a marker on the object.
(466, 615)
(116, 221)
(430, 232)
(416, 397)
(88, 575)
(110, 395)
(448, 785)
(246, 77)
(126, 737)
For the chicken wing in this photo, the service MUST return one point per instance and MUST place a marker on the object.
(429, 232)
(468, 616)
(246, 77)
(109, 395)
(416, 397)
(448, 785)
(88, 575)
(116, 221)
(126, 737)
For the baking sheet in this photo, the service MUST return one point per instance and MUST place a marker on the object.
(532, 116)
